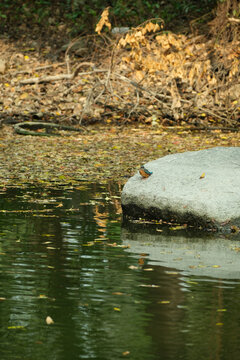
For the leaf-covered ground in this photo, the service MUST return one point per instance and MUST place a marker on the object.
(99, 154)
(91, 80)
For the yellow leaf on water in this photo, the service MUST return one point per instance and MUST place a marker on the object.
(164, 302)
(116, 309)
(49, 320)
(202, 176)
(171, 272)
(59, 205)
(216, 266)
(117, 293)
(178, 227)
(16, 327)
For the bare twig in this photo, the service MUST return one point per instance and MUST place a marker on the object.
(43, 79)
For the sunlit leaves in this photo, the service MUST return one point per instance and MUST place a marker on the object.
(103, 21)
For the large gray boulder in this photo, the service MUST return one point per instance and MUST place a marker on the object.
(201, 188)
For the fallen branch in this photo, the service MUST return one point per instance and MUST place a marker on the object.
(20, 128)
(43, 79)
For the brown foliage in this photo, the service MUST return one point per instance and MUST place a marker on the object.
(147, 74)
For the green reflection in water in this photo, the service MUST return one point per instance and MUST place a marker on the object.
(61, 255)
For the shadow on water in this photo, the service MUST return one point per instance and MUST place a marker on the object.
(112, 292)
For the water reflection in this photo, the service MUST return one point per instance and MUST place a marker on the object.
(196, 254)
(196, 303)
(63, 254)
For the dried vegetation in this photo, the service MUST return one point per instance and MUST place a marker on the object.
(148, 74)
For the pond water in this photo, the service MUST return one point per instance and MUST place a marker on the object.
(75, 284)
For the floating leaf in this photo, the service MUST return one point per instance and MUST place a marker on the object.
(132, 267)
(16, 327)
(49, 320)
(178, 227)
(172, 272)
(117, 293)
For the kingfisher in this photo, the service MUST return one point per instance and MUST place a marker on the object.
(144, 172)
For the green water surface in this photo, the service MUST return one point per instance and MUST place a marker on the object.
(63, 261)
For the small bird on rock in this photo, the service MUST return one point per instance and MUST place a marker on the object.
(145, 173)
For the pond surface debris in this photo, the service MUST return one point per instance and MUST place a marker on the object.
(100, 154)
